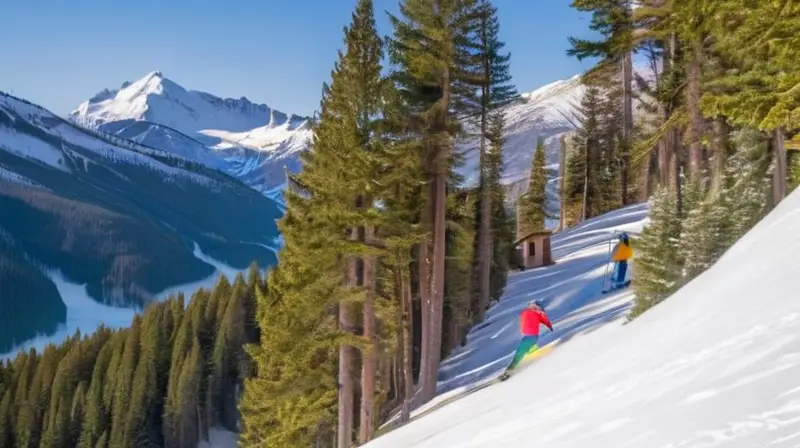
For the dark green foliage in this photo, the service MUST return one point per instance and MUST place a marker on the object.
(321, 275)
(592, 184)
(457, 294)
(503, 224)
(611, 19)
(533, 204)
(657, 264)
(30, 303)
(674, 249)
(138, 387)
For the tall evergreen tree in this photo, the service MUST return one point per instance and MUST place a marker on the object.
(658, 263)
(431, 52)
(533, 204)
(334, 219)
(613, 20)
(461, 237)
(502, 225)
(761, 92)
(495, 92)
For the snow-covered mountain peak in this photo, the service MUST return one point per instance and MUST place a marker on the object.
(236, 135)
(158, 99)
(554, 88)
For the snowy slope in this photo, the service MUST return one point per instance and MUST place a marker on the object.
(716, 365)
(249, 141)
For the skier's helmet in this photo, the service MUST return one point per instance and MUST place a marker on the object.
(537, 303)
(623, 237)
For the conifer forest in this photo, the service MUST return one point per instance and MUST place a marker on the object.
(389, 258)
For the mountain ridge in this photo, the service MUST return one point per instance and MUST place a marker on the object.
(258, 155)
(115, 215)
(246, 140)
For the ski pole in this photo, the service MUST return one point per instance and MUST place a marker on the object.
(608, 263)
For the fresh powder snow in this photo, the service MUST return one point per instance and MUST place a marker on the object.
(715, 365)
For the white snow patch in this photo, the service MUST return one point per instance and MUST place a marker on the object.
(83, 313)
(208, 283)
(31, 148)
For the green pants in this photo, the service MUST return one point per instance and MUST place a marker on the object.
(526, 345)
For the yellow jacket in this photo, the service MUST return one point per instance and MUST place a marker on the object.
(622, 252)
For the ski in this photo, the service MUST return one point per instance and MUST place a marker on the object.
(614, 288)
(529, 359)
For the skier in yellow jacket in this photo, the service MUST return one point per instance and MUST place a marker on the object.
(622, 253)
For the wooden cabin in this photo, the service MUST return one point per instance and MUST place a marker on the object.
(534, 250)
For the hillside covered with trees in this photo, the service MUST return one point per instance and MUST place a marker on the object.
(177, 371)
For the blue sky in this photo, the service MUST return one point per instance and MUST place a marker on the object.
(270, 51)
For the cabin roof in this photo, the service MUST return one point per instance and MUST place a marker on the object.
(533, 234)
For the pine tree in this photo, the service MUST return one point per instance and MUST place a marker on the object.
(461, 237)
(760, 92)
(6, 423)
(140, 422)
(401, 181)
(658, 264)
(583, 192)
(31, 424)
(748, 182)
(613, 20)
(432, 41)
(97, 414)
(533, 204)
(227, 358)
(76, 416)
(324, 248)
(495, 92)
(294, 392)
(502, 226)
(189, 399)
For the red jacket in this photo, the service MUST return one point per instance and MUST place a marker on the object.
(530, 320)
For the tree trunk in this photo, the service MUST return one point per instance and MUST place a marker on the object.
(437, 286)
(485, 233)
(562, 171)
(721, 131)
(406, 347)
(779, 174)
(346, 361)
(587, 179)
(441, 173)
(644, 178)
(695, 117)
(627, 122)
(424, 266)
(677, 158)
(663, 162)
(369, 355)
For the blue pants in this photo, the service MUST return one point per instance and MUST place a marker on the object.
(526, 345)
(620, 268)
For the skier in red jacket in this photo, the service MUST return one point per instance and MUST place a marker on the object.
(530, 319)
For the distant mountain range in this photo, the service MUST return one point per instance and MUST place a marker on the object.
(254, 142)
(124, 219)
(126, 193)
(249, 141)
